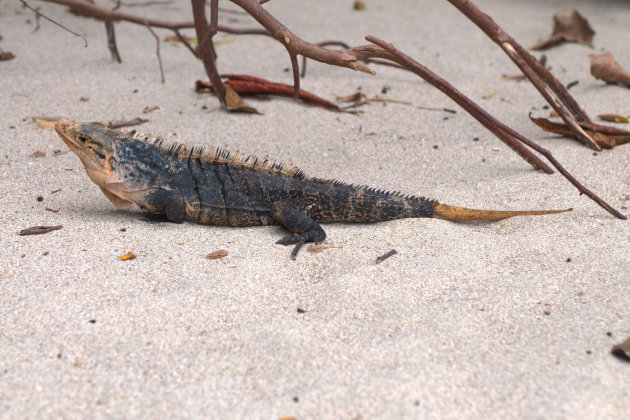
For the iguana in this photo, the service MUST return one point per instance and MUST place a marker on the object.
(217, 187)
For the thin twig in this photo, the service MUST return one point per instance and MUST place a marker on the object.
(157, 51)
(111, 41)
(52, 21)
(184, 41)
(103, 13)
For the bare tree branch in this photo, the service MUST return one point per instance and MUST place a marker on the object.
(52, 21)
(549, 87)
(205, 32)
(418, 68)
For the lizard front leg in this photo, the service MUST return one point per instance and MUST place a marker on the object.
(304, 228)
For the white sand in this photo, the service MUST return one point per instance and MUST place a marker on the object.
(453, 326)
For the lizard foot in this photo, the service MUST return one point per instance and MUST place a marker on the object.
(297, 240)
(303, 227)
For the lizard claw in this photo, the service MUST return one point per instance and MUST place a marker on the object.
(297, 240)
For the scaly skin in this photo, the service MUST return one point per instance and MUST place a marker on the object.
(219, 188)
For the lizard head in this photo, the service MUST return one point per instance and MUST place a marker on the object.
(93, 143)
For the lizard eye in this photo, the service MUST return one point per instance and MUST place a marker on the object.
(83, 139)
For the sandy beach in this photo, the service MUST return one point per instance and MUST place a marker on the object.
(512, 319)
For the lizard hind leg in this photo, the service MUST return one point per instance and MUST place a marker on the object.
(303, 228)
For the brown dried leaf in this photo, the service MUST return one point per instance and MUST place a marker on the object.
(126, 123)
(46, 123)
(237, 104)
(613, 118)
(318, 248)
(215, 255)
(359, 5)
(128, 256)
(52, 210)
(604, 67)
(568, 26)
(381, 98)
(517, 77)
(489, 95)
(173, 38)
(357, 98)
(38, 154)
(6, 56)
(605, 136)
(38, 230)
(622, 350)
(148, 109)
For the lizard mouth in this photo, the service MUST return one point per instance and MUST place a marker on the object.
(63, 129)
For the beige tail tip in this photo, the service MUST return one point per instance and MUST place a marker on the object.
(462, 214)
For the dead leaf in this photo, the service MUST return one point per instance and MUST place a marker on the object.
(46, 123)
(359, 5)
(381, 98)
(568, 26)
(622, 351)
(6, 56)
(126, 123)
(613, 118)
(38, 230)
(318, 248)
(174, 38)
(517, 77)
(605, 136)
(357, 98)
(148, 109)
(604, 67)
(489, 95)
(237, 104)
(38, 154)
(386, 256)
(128, 256)
(52, 210)
(215, 255)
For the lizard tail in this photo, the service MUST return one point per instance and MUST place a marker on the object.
(462, 214)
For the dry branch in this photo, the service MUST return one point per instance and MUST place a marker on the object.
(551, 89)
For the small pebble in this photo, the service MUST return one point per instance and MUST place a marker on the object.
(568, 259)
(435, 147)
(40, 198)
(92, 321)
